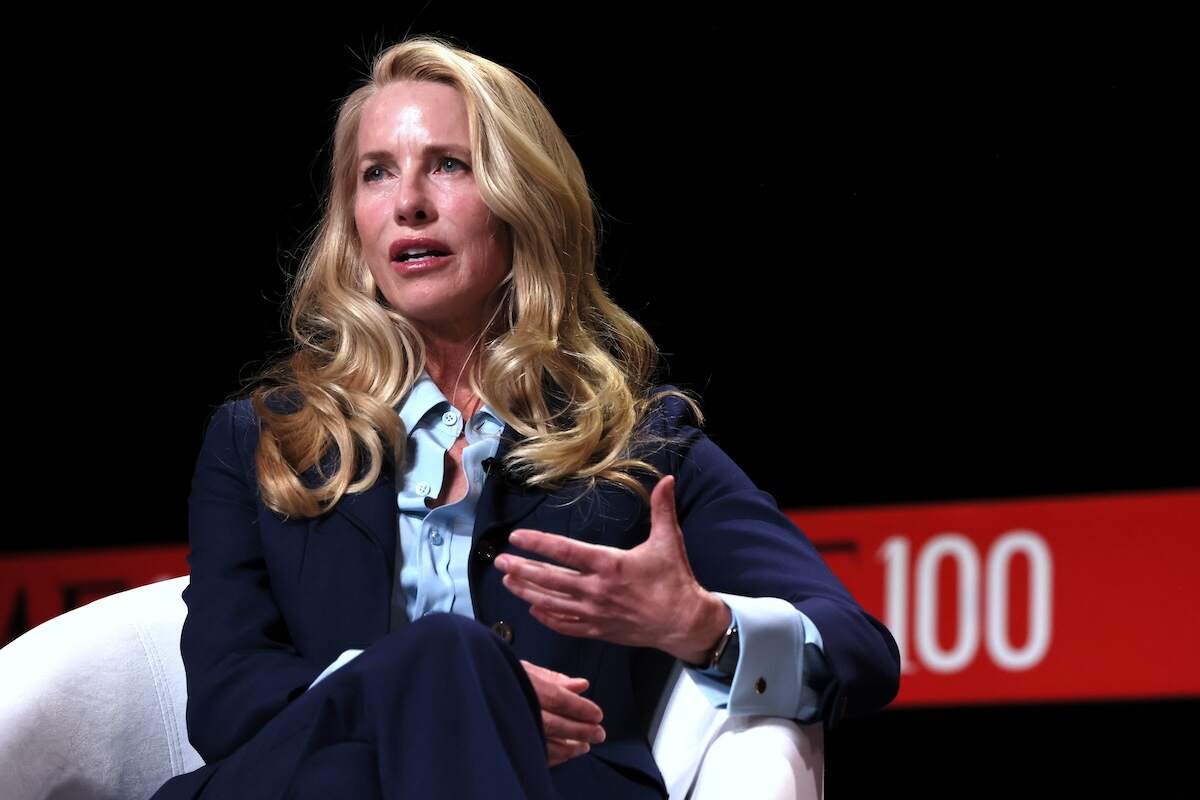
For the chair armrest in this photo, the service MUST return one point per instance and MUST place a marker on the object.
(765, 757)
(706, 754)
(92, 701)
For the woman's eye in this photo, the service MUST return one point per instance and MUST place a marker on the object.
(369, 173)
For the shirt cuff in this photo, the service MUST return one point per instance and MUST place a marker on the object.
(345, 658)
(781, 665)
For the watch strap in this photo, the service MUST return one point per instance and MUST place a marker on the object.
(722, 659)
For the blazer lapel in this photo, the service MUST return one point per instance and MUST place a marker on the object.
(502, 501)
(374, 512)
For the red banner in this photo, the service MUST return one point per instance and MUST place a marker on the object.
(38, 586)
(1056, 599)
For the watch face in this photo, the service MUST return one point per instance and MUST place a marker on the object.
(727, 661)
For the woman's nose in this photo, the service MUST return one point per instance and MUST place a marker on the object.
(413, 201)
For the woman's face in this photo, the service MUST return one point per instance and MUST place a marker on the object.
(415, 180)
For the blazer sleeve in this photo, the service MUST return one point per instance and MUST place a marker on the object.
(240, 664)
(739, 542)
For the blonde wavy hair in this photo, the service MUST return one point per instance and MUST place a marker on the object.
(560, 361)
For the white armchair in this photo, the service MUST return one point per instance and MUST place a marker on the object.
(92, 705)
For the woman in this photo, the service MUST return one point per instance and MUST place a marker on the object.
(467, 433)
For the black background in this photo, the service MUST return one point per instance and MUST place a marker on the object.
(902, 258)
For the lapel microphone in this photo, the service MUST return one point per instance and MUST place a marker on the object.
(494, 466)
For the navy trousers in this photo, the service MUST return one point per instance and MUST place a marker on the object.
(440, 708)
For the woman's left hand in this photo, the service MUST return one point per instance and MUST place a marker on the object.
(643, 597)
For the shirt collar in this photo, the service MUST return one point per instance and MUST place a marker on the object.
(424, 397)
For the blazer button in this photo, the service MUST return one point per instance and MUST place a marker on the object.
(504, 631)
(486, 551)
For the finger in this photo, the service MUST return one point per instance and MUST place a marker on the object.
(663, 518)
(581, 555)
(513, 582)
(561, 750)
(573, 707)
(551, 675)
(567, 748)
(569, 705)
(507, 561)
(539, 597)
(565, 595)
(560, 727)
(562, 580)
(559, 619)
(568, 626)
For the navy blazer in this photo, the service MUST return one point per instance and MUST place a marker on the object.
(272, 601)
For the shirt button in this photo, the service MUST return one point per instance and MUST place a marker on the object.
(760, 685)
(423, 488)
(436, 538)
(486, 551)
(450, 417)
(504, 631)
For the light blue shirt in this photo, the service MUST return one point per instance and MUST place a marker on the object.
(434, 550)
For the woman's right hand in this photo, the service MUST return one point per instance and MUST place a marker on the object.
(570, 720)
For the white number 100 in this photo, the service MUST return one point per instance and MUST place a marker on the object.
(895, 554)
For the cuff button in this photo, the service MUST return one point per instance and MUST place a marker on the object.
(760, 685)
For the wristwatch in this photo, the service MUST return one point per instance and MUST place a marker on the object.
(724, 656)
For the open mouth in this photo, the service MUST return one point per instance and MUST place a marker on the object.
(418, 255)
